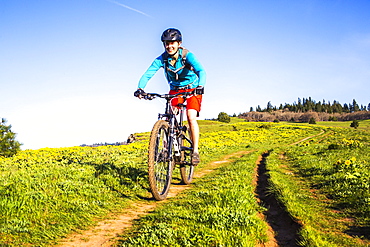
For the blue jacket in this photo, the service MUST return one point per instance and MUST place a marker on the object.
(186, 77)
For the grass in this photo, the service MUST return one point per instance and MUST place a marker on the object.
(47, 193)
(322, 225)
(363, 124)
(219, 210)
(324, 183)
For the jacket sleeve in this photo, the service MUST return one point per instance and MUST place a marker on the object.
(198, 68)
(150, 72)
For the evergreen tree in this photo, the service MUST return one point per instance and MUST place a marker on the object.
(355, 106)
(294, 107)
(346, 108)
(269, 107)
(8, 145)
(287, 106)
(337, 107)
(318, 107)
(308, 105)
(329, 108)
(299, 105)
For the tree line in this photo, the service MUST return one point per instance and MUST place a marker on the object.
(307, 109)
(307, 104)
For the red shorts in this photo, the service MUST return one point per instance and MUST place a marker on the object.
(193, 102)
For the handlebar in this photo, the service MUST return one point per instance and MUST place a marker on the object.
(150, 96)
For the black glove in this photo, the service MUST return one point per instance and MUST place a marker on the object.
(139, 92)
(199, 90)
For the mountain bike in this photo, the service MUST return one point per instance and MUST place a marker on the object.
(170, 145)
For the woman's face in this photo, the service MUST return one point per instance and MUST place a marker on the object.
(171, 47)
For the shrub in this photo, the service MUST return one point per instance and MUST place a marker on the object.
(223, 117)
(307, 116)
(355, 124)
(312, 121)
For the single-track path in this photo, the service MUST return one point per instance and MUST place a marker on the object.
(106, 231)
(104, 234)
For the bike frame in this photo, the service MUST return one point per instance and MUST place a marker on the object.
(176, 126)
(170, 145)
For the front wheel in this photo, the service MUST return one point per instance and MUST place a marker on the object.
(186, 167)
(160, 164)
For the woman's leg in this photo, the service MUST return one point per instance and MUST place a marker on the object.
(194, 130)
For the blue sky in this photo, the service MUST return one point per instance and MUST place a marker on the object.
(68, 69)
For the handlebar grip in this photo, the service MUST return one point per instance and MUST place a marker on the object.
(149, 96)
(139, 92)
(199, 90)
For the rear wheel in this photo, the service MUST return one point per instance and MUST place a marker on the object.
(186, 168)
(160, 167)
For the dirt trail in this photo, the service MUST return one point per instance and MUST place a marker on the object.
(104, 234)
(282, 229)
(309, 137)
(285, 228)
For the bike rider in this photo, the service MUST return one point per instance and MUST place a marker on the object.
(184, 73)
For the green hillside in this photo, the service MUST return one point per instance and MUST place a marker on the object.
(46, 194)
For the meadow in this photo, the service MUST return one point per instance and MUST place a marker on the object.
(48, 193)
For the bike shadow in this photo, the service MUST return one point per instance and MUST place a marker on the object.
(127, 181)
(175, 182)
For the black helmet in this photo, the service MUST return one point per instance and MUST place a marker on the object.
(171, 34)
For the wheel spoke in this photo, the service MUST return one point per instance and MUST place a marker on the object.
(160, 166)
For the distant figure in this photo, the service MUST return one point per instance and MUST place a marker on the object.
(131, 139)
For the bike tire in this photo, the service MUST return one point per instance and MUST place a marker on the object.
(186, 167)
(159, 167)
